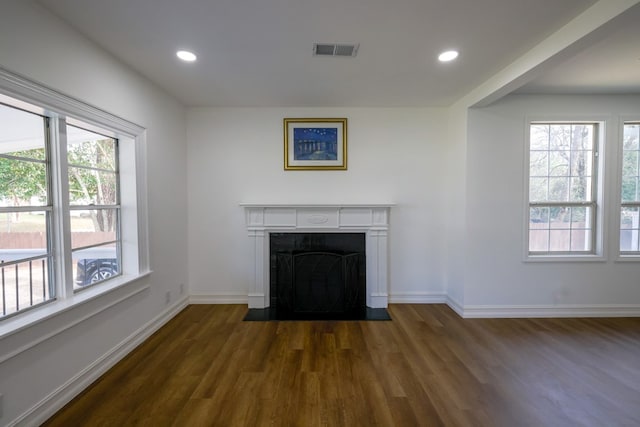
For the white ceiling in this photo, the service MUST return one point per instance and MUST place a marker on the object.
(259, 52)
(610, 64)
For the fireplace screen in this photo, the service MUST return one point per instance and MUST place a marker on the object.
(315, 273)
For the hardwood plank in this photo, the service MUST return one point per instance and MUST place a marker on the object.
(427, 367)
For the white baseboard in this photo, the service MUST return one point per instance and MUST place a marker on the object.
(524, 311)
(455, 305)
(256, 301)
(517, 311)
(218, 298)
(52, 403)
(418, 298)
(377, 300)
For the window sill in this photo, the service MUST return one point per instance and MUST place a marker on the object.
(564, 258)
(628, 258)
(55, 308)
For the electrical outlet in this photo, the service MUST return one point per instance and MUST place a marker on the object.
(181, 288)
(168, 297)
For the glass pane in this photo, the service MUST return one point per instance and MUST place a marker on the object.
(22, 183)
(94, 265)
(91, 187)
(539, 240)
(539, 163)
(581, 240)
(630, 191)
(630, 178)
(582, 137)
(579, 217)
(558, 189)
(21, 133)
(22, 235)
(626, 241)
(538, 189)
(539, 229)
(90, 149)
(538, 218)
(630, 163)
(631, 136)
(581, 228)
(581, 163)
(539, 137)
(560, 217)
(92, 227)
(629, 229)
(559, 240)
(558, 163)
(580, 189)
(560, 137)
(24, 285)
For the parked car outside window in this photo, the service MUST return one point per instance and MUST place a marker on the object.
(90, 271)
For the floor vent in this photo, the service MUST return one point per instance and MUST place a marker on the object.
(323, 49)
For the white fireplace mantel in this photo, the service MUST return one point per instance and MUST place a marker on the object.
(371, 219)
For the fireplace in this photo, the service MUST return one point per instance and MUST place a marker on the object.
(317, 275)
(370, 221)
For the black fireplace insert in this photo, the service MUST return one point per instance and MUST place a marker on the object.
(318, 275)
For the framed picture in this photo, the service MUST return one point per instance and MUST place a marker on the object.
(315, 144)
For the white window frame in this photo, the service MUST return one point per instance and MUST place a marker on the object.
(115, 206)
(624, 256)
(48, 285)
(61, 109)
(599, 229)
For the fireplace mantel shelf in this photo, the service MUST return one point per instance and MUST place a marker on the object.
(372, 219)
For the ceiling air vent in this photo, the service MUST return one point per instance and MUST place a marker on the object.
(322, 49)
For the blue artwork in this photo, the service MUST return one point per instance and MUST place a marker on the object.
(315, 143)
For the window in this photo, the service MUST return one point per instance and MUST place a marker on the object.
(92, 164)
(67, 221)
(630, 194)
(562, 188)
(28, 200)
(25, 211)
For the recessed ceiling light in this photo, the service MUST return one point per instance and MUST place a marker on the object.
(186, 56)
(448, 55)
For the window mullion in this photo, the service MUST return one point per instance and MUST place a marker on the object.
(61, 217)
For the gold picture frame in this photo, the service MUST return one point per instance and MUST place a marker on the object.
(315, 144)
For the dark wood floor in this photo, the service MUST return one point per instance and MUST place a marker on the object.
(427, 367)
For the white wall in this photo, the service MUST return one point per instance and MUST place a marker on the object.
(455, 224)
(39, 46)
(394, 155)
(495, 274)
